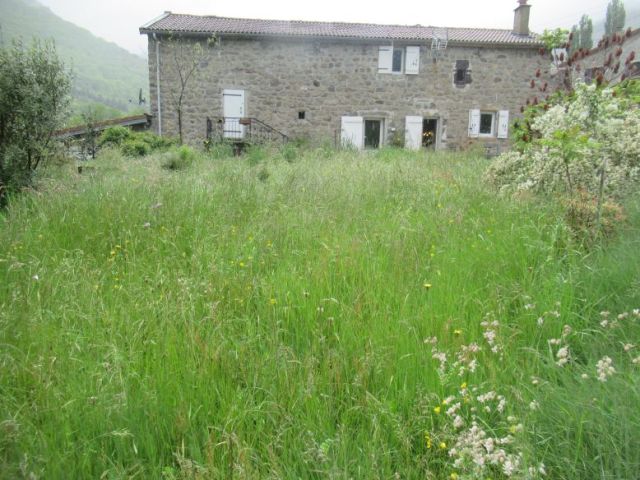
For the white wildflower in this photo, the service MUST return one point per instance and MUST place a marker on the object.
(534, 405)
(605, 368)
(563, 356)
(458, 422)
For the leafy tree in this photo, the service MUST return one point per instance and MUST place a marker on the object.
(574, 37)
(582, 34)
(586, 32)
(89, 140)
(184, 59)
(615, 19)
(555, 42)
(34, 87)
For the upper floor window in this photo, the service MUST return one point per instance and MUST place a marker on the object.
(396, 63)
(399, 60)
(462, 74)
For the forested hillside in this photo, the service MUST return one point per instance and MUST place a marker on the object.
(103, 73)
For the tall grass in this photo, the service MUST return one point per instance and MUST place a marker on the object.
(266, 318)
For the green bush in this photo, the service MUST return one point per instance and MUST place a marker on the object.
(135, 148)
(114, 136)
(178, 158)
(134, 144)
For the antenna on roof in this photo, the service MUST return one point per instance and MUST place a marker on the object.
(439, 41)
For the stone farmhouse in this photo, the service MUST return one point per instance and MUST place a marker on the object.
(361, 84)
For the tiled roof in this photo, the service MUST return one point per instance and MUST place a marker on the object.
(193, 24)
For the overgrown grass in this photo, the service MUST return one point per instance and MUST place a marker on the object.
(266, 317)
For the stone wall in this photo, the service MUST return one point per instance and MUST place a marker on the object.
(328, 79)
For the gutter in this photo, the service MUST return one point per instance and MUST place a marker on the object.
(159, 99)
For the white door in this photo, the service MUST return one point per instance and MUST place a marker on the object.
(233, 111)
(352, 133)
(413, 133)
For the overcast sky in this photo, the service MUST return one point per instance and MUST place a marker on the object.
(119, 20)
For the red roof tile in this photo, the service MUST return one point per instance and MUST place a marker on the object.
(193, 24)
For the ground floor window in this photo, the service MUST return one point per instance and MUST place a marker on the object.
(487, 124)
(372, 133)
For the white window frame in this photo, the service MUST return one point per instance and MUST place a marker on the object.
(491, 134)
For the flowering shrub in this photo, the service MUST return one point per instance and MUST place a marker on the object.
(584, 146)
(569, 144)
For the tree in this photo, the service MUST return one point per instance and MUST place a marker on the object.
(582, 34)
(586, 32)
(34, 87)
(186, 56)
(615, 20)
(91, 134)
(574, 38)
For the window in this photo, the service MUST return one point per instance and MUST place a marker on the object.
(399, 60)
(462, 74)
(372, 133)
(396, 64)
(301, 115)
(487, 123)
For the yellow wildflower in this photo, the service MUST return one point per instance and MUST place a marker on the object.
(437, 410)
(453, 476)
(427, 286)
(427, 438)
(463, 386)
(442, 445)
(457, 331)
(273, 301)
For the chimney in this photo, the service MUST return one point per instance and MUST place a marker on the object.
(521, 18)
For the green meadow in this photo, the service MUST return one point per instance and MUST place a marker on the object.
(312, 314)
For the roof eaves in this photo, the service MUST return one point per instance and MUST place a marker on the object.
(146, 27)
(530, 43)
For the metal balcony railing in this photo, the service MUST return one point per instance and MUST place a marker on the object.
(246, 130)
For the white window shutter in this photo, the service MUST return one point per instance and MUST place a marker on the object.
(412, 61)
(385, 59)
(503, 124)
(352, 133)
(413, 132)
(474, 123)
